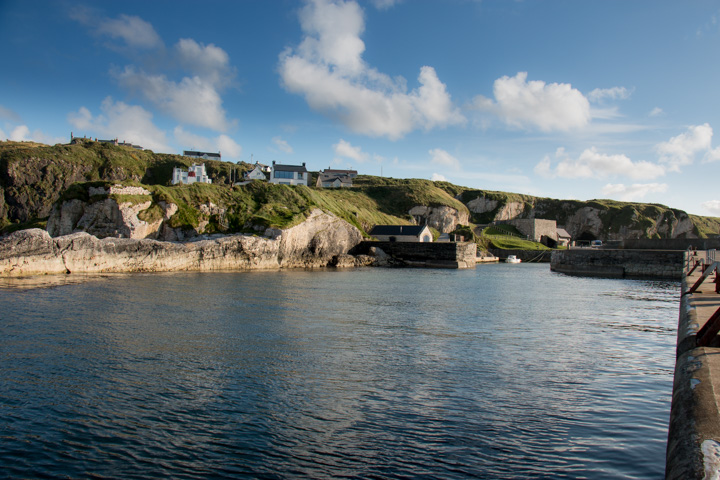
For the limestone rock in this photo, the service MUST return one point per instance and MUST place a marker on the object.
(442, 218)
(313, 243)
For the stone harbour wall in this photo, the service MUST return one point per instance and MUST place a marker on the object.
(618, 263)
(422, 254)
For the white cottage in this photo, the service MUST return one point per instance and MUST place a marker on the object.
(289, 174)
(195, 174)
(402, 233)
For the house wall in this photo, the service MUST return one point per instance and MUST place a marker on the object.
(535, 228)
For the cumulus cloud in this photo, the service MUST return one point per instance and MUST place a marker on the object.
(656, 112)
(614, 93)
(681, 150)
(535, 104)
(209, 62)
(22, 133)
(593, 164)
(130, 123)
(441, 157)
(193, 100)
(713, 206)
(436, 177)
(194, 97)
(634, 192)
(327, 68)
(222, 143)
(346, 150)
(134, 31)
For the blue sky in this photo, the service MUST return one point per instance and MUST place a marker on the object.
(555, 98)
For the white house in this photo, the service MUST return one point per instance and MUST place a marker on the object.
(289, 174)
(256, 174)
(195, 174)
(402, 233)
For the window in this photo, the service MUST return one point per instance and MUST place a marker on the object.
(284, 174)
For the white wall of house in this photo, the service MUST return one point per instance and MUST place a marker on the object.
(424, 236)
(195, 174)
(256, 174)
(288, 177)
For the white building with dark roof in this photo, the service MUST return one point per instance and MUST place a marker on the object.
(289, 174)
(402, 233)
(195, 174)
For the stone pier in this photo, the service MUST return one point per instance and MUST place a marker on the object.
(693, 448)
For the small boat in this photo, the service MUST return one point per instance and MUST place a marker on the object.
(512, 259)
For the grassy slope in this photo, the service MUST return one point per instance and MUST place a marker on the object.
(32, 176)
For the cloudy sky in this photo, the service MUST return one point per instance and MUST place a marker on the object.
(557, 98)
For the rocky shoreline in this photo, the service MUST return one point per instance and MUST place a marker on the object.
(321, 240)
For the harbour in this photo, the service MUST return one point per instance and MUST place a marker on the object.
(390, 373)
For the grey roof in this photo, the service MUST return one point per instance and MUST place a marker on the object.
(192, 153)
(413, 230)
(561, 232)
(289, 168)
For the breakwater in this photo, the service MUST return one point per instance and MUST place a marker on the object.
(422, 254)
(693, 448)
(618, 263)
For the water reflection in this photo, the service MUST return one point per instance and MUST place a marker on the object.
(496, 372)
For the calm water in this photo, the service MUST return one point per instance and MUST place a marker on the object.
(506, 371)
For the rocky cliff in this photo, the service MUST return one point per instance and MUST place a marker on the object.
(317, 242)
(596, 219)
(39, 182)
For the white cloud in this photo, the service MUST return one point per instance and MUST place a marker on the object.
(681, 150)
(193, 100)
(713, 206)
(129, 123)
(656, 112)
(345, 149)
(208, 62)
(634, 192)
(222, 143)
(135, 31)
(535, 104)
(593, 164)
(327, 68)
(436, 177)
(22, 133)
(441, 157)
(614, 93)
(282, 145)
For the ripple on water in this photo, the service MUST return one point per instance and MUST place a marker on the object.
(492, 373)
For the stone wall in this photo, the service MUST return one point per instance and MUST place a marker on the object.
(535, 228)
(439, 254)
(535, 256)
(618, 263)
(671, 243)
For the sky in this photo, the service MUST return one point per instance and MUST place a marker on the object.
(594, 99)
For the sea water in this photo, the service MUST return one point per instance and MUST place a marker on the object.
(504, 371)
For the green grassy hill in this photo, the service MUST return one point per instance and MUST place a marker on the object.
(33, 177)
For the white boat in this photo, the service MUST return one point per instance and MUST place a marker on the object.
(512, 259)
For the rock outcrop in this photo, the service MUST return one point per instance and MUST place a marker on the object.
(318, 242)
(442, 218)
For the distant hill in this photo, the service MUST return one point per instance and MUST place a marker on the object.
(34, 178)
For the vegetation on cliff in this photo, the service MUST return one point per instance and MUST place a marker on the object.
(33, 177)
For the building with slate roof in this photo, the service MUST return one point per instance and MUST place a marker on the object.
(402, 233)
(289, 174)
